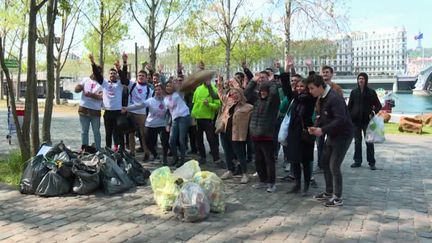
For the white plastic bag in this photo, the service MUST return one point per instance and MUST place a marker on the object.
(283, 131)
(188, 170)
(375, 130)
(192, 204)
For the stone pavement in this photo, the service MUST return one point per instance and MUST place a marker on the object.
(391, 204)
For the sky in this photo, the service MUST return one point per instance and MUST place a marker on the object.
(362, 15)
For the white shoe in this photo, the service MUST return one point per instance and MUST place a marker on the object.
(287, 167)
(227, 175)
(271, 188)
(255, 174)
(244, 179)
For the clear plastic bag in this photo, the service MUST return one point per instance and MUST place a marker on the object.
(188, 170)
(192, 204)
(214, 189)
(165, 189)
(375, 130)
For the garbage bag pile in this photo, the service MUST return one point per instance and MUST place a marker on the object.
(60, 171)
(191, 194)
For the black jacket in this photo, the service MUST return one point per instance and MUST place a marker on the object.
(361, 105)
(334, 118)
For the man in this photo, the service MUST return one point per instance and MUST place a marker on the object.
(333, 120)
(327, 75)
(90, 110)
(262, 128)
(139, 92)
(205, 108)
(112, 91)
(362, 103)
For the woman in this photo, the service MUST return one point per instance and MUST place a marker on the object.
(301, 144)
(234, 117)
(180, 122)
(155, 123)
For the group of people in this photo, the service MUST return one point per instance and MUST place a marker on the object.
(243, 113)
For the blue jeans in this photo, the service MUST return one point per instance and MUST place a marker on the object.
(179, 131)
(85, 127)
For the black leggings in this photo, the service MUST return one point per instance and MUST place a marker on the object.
(307, 172)
(152, 135)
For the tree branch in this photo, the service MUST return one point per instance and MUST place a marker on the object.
(136, 18)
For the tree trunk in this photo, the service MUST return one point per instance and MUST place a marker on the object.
(287, 27)
(152, 37)
(57, 81)
(24, 144)
(228, 41)
(102, 34)
(31, 114)
(20, 59)
(46, 125)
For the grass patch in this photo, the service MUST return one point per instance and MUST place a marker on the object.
(393, 128)
(11, 168)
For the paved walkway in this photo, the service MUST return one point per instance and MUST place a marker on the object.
(391, 204)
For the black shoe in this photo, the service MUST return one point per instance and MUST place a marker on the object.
(174, 161)
(202, 161)
(313, 183)
(323, 196)
(164, 160)
(355, 165)
(156, 157)
(372, 167)
(305, 192)
(238, 170)
(180, 162)
(146, 157)
(294, 189)
(288, 178)
(334, 202)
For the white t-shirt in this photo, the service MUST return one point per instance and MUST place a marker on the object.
(176, 105)
(94, 87)
(139, 95)
(157, 111)
(112, 95)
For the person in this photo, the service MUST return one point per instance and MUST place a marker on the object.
(327, 75)
(363, 103)
(204, 110)
(90, 110)
(112, 91)
(155, 123)
(262, 128)
(179, 124)
(300, 150)
(139, 92)
(333, 120)
(235, 115)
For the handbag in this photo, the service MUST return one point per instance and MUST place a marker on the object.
(283, 130)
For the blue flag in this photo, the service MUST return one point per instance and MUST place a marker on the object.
(419, 36)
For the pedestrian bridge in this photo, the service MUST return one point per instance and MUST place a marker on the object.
(424, 80)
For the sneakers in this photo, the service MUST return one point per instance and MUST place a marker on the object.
(334, 202)
(323, 196)
(244, 179)
(289, 177)
(372, 167)
(271, 188)
(355, 165)
(227, 175)
(287, 167)
(260, 185)
(313, 183)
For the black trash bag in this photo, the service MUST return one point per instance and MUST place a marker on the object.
(57, 149)
(87, 178)
(53, 184)
(115, 179)
(88, 149)
(133, 168)
(62, 164)
(34, 172)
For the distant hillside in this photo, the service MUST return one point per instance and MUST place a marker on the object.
(418, 53)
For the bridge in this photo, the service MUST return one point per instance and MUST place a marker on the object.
(424, 80)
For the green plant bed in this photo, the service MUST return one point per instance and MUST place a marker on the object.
(11, 168)
(393, 128)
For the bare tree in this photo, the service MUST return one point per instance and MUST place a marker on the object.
(156, 17)
(313, 14)
(109, 15)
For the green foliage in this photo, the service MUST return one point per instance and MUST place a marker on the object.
(314, 48)
(11, 168)
(419, 53)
